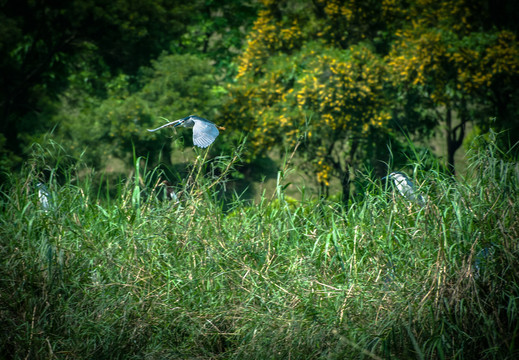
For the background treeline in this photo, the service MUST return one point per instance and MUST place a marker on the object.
(340, 79)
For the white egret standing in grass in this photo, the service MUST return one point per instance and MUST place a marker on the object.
(44, 196)
(406, 187)
(204, 131)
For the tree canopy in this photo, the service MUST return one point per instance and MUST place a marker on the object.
(344, 77)
(339, 79)
(85, 48)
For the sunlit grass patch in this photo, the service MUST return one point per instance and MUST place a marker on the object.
(279, 278)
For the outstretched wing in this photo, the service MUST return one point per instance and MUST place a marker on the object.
(204, 133)
(172, 123)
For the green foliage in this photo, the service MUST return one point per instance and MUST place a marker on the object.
(339, 80)
(43, 42)
(328, 98)
(140, 278)
(174, 86)
(216, 32)
(47, 48)
(300, 84)
(446, 71)
(346, 78)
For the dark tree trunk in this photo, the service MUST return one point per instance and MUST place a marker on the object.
(345, 185)
(345, 175)
(455, 137)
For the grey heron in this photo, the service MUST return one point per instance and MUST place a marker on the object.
(406, 187)
(204, 131)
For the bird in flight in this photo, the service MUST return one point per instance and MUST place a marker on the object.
(204, 131)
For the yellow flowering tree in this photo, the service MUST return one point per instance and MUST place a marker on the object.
(297, 82)
(343, 77)
(452, 73)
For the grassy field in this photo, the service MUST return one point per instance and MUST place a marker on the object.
(223, 278)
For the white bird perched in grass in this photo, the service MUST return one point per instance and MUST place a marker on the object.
(406, 187)
(204, 131)
(44, 196)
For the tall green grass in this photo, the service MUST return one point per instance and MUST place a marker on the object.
(135, 277)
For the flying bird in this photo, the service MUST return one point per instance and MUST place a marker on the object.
(204, 131)
(406, 187)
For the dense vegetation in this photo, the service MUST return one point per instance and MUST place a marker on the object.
(334, 93)
(343, 79)
(141, 278)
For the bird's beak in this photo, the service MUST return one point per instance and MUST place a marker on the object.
(179, 122)
(220, 127)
